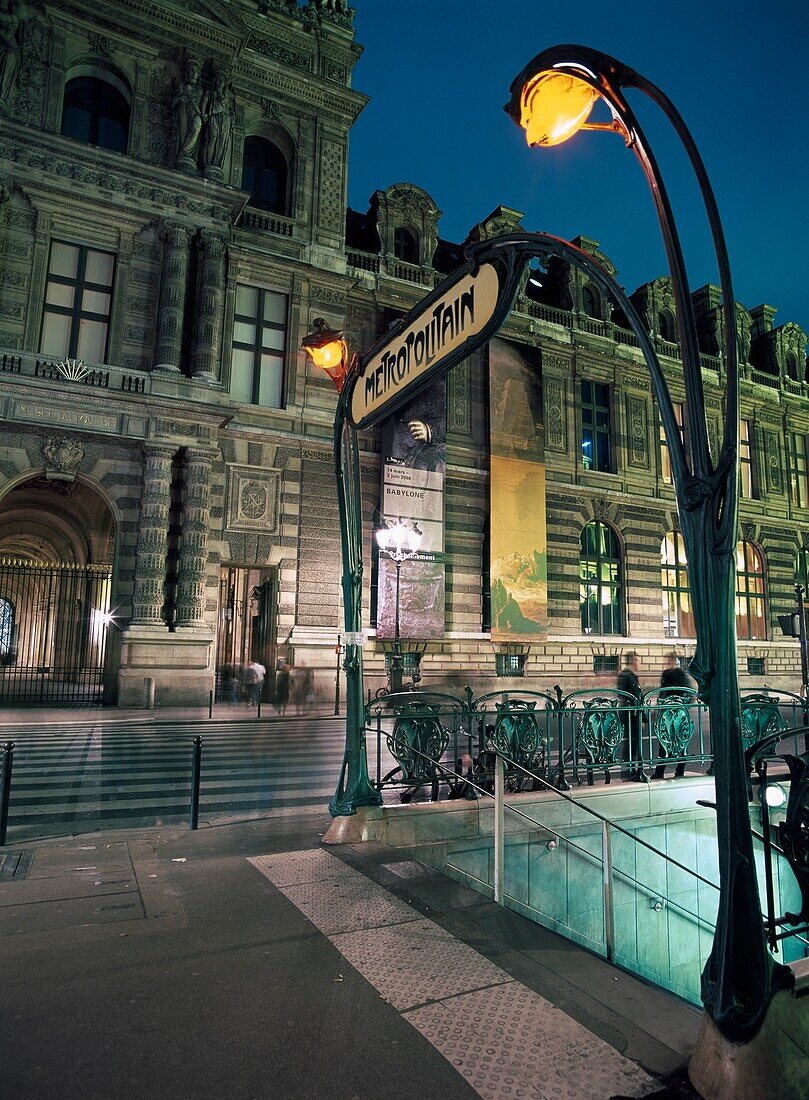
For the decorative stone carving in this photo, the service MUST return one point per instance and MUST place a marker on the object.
(555, 420)
(208, 321)
(172, 297)
(153, 530)
(252, 497)
(602, 510)
(194, 541)
(187, 107)
(772, 462)
(459, 413)
(218, 112)
(638, 433)
(62, 456)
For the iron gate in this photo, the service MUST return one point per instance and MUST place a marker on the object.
(53, 631)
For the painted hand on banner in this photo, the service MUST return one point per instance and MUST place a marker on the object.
(420, 431)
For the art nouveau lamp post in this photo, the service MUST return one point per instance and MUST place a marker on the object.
(552, 99)
(328, 349)
(400, 542)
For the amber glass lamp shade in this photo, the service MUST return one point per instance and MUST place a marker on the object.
(327, 349)
(554, 106)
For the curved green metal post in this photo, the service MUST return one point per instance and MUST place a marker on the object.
(354, 786)
(740, 977)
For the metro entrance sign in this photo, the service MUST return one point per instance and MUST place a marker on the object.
(447, 328)
(456, 319)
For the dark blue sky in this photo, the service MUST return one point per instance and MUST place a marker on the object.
(438, 72)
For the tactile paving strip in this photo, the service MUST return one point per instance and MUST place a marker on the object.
(504, 1039)
(290, 868)
(348, 903)
(509, 1041)
(417, 962)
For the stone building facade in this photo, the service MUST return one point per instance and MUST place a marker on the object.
(172, 219)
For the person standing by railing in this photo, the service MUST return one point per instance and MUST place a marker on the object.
(673, 678)
(631, 714)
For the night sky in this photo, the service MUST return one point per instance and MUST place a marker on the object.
(438, 73)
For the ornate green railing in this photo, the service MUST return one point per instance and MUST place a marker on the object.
(568, 740)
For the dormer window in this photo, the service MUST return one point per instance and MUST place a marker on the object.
(264, 175)
(96, 112)
(590, 302)
(405, 246)
(665, 326)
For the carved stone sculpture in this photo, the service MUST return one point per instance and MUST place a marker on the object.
(62, 457)
(188, 115)
(217, 126)
(11, 18)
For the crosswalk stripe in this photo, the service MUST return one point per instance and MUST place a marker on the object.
(125, 773)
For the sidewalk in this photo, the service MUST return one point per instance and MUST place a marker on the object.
(160, 963)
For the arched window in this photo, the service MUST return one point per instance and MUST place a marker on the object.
(678, 616)
(590, 301)
(749, 592)
(96, 112)
(665, 326)
(7, 632)
(600, 580)
(792, 366)
(264, 175)
(405, 246)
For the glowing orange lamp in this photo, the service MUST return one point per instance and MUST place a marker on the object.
(553, 98)
(328, 349)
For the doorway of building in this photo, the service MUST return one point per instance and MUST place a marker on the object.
(56, 575)
(246, 628)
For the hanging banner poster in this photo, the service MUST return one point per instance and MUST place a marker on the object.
(414, 452)
(518, 540)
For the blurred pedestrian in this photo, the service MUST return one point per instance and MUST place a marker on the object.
(281, 686)
(672, 680)
(253, 680)
(631, 714)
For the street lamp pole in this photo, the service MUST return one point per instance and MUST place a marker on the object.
(552, 99)
(328, 349)
(400, 542)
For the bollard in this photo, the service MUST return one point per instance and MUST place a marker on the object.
(196, 768)
(5, 790)
(258, 708)
(210, 703)
(148, 692)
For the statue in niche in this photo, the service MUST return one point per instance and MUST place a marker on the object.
(188, 115)
(12, 13)
(217, 125)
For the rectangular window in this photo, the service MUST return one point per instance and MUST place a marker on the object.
(78, 299)
(746, 481)
(259, 345)
(596, 446)
(602, 663)
(756, 666)
(665, 459)
(510, 664)
(798, 470)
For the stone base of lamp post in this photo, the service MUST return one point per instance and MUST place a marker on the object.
(353, 829)
(775, 1064)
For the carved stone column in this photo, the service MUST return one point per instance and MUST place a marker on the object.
(150, 555)
(172, 297)
(210, 307)
(194, 541)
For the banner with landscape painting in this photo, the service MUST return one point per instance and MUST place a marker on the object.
(518, 541)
